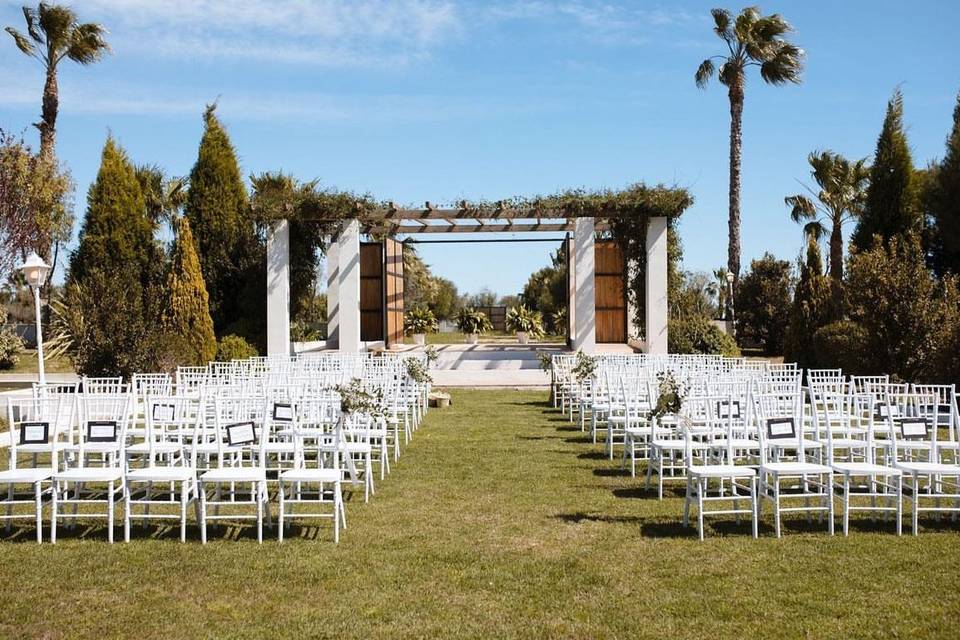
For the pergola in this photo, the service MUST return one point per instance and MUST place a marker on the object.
(343, 267)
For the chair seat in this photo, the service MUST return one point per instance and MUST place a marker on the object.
(28, 475)
(312, 475)
(356, 447)
(161, 474)
(279, 447)
(794, 468)
(737, 443)
(721, 471)
(849, 443)
(234, 474)
(938, 468)
(89, 474)
(678, 445)
(142, 448)
(793, 444)
(864, 469)
(93, 447)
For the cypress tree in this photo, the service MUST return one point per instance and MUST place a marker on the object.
(946, 199)
(815, 304)
(116, 233)
(218, 211)
(892, 206)
(188, 314)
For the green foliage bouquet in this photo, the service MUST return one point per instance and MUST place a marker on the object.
(472, 321)
(419, 320)
(523, 320)
(670, 397)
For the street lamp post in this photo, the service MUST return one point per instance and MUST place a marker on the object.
(730, 312)
(35, 272)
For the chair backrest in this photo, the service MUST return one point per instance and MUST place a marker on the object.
(33, 423)
(915, 427)
(778, 412)
(102, 424)
(239, 424)
(173, 419)
(104, 386)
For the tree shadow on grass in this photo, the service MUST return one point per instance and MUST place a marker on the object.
(611, 473)
(582, 516)
(592, 455)
(570, 428)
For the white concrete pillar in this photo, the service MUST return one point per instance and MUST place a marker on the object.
(278, 288)
(333, 293)
(348, 296)
(585, 300)
(656, 285)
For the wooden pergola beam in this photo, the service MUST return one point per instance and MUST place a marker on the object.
(488, 228)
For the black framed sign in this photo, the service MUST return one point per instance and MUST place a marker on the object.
(728, 409)
(282, 412)
(885, 411)
(102, 431)
(34, 433)
(241, 433)
(781, 428)
(914, 428)
(163, 412)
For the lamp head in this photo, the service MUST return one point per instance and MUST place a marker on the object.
(35, 270)
(730, 277)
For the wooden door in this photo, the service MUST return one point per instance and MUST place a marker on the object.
(610, 293)
(393, 290)
(371, 291)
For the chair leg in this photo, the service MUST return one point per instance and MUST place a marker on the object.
(846, 505)
(38, 505)
(259, 491)
(53, 513)
(184, 487)
(686, 503)
(753, 505)
(776, 503)
(126, 513)
(701, 485)
(203, 513)
(830, 510)
(110, 512)
(900, 505)
(281, 507)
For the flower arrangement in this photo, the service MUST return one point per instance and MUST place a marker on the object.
(418, 371)
(584, 368)
(546, 360)
(523, 320)
(419, 320)
(670, 397)
(432, 354)
(354, 398)
(471, 321)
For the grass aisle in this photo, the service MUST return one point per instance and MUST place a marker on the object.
(500, 520)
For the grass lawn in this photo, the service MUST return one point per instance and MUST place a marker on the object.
(500, 520)
(28, 364)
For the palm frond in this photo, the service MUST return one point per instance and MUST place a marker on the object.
(87, 43)
(814, 230)
(56, 22)
(704, 73)
(30, 17)
(801, 208)
(23, 43)
(722, 20)
(784, 66)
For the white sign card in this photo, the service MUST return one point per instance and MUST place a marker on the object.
(102, 431)
(728, 409)
(34, 433)
(164, 412)
(780, 428)
(914, 428)
(241, 433)
(282, 412)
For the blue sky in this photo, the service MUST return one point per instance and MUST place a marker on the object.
(415, 100)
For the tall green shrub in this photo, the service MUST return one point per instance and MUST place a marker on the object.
(763, 304)
(188, 314)
(218, 211)
(892, 205)
(116, 231)
(816, 303)
(945, 202)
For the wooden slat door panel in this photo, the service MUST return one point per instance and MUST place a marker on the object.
(393, 290)
(371, 291)
(610, 293)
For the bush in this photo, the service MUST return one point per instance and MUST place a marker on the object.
(232, 347)
(763, 304)
(817, 302)
(11, 346)
(841, 345)
(522, 319)
(469, 321)
(419, 320)
(697, 334)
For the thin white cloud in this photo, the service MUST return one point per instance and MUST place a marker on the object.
(335, 33)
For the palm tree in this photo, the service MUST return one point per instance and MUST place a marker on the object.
(752, 40)
(842, 194)
(53, 33)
